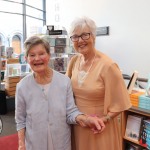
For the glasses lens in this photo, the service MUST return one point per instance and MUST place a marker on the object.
(85, 36)
(74, 38)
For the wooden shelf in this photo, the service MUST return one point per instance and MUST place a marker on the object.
(133, 141)
(139, 110)
(135, 111)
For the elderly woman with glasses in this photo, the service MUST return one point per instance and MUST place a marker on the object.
(98, 87)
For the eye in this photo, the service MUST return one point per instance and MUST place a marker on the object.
(75, 37)
(85, 34)
(31, 55)
(43, 53)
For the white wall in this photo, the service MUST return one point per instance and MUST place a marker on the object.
(129, 20)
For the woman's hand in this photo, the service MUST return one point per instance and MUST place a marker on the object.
(96, 124)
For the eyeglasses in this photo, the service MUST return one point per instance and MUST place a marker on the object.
(84, 36)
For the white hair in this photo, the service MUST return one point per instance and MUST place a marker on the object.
(82, 23)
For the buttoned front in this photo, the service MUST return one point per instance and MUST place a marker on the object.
(46, 118)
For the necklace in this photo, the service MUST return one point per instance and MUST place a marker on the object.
(83, 74)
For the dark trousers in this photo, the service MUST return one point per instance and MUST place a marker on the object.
(3, 106)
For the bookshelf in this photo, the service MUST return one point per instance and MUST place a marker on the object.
(14, 73)
(132, 111)
(61, 51)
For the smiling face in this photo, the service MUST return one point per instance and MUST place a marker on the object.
(83, 46)
(38, 58)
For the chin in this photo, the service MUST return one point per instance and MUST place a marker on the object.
(83, 52)
(38, 70)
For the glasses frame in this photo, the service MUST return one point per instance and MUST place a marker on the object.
(79, 37)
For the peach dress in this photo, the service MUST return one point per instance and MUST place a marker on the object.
(103, 90)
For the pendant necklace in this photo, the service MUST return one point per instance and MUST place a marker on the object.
(83, 74)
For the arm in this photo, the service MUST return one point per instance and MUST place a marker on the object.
(72, 110)
(21, 139)
(109, 116)
(20, 117)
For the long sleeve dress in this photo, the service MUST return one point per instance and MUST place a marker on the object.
(46, 118)
(102, 91)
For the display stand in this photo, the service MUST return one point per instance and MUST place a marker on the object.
(14, 73)
(61, 51)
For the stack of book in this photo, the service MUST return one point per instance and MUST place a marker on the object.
(144, 102)
(145, 134)
(134, 97)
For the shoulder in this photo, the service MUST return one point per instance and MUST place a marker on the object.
(60, 76)
(105, 58)
(106, 63)
(74, 58)
(61, 81)
(26, 80)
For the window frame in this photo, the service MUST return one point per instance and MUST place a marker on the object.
(23, 35)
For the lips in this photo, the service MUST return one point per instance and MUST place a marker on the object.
(82, 46)
(38, 64)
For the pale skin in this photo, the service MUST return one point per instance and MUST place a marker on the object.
(38, 60)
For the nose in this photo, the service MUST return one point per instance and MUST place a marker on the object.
(80, 39)
(37, 57)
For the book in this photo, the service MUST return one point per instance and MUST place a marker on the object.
(145, 134)
(133, 127)
(59, 49)
(60, 41)
(131, 146)
(58, 64)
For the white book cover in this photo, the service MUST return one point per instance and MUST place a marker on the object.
(133, 127)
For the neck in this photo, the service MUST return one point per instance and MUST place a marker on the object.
(44, 77)
(87, 64)
(88, 57)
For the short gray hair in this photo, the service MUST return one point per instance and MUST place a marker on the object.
(33, 41)
(83, 22)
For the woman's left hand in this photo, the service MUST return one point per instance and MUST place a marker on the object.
(96, 124)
